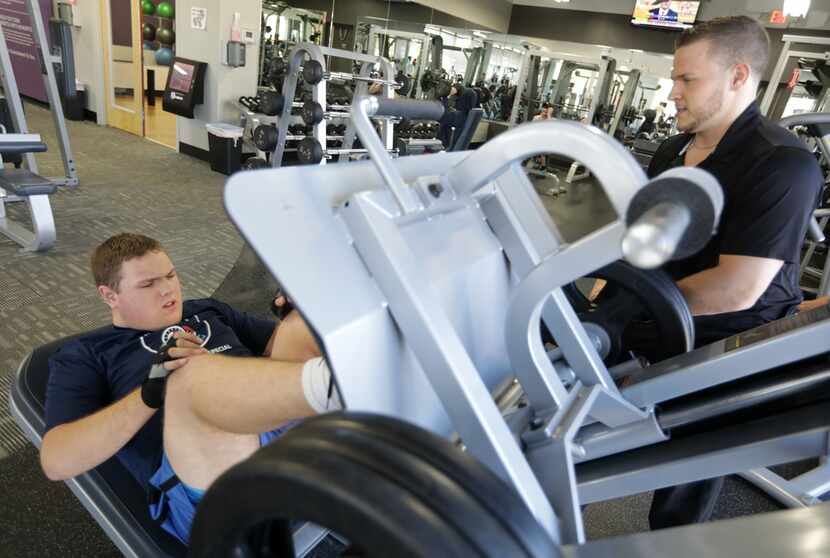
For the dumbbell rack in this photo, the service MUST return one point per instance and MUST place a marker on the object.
(315, 52)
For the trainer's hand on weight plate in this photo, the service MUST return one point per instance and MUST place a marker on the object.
(187, 346)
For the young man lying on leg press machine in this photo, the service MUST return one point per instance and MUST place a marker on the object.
(107, 389)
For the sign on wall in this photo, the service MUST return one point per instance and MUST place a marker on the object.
(198, 18)
(14, 17)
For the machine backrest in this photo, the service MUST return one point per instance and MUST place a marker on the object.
(462, 141)
(109, 492)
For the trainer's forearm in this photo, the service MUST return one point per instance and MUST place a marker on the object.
(76, 447)
(715, 291)
(246, 395)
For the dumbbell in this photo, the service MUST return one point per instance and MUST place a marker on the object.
(314, 73)
(265, 137)
(310, 152)
(250, 103)
(255, 163)
(312, 113)
(271, 103)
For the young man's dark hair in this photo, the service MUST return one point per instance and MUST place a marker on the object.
(107, 258)
(733, 40)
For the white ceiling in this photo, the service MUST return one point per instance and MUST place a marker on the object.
(817, 18)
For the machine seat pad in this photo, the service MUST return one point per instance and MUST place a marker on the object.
(22, 182)
(110, 486)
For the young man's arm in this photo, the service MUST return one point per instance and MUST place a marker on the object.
(74, 448)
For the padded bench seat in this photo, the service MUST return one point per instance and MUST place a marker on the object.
(22, 182)
(109, 492)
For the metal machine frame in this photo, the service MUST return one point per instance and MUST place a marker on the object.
(781, 64)
(417, 243)
(822, 214)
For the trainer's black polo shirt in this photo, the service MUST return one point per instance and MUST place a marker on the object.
(771, 184)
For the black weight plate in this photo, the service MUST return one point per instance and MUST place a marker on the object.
(312, 72)
(283, 483)
(405, 84)
(641, 310)
(384, 498)
(265, 137)
(271, 103)
(309, 151)
(312, 113)
(476, 481)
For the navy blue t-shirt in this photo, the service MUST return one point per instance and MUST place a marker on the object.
(95, 370)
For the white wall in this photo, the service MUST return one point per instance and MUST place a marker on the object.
(493, 14)
(86, 33)
(223, 84)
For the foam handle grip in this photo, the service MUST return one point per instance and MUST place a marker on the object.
(410, 109)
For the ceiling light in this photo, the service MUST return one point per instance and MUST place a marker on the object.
(796, 8)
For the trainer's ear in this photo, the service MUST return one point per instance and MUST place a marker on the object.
(108, 295)
(741, 73)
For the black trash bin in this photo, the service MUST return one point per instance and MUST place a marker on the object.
(225, 142)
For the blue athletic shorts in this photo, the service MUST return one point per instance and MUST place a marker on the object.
(175, 506)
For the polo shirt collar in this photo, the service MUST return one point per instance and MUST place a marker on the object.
(736, 134)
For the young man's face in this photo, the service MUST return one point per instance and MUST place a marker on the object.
(701, 84)
(149, 295)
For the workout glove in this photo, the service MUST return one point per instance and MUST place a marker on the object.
(152, 389)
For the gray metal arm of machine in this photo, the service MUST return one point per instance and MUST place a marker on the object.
(805, 119)
(367, 106)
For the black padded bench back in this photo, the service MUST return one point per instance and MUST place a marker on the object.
(462, 142)
(120, 501)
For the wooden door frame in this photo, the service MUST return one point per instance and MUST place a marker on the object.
(118, 117)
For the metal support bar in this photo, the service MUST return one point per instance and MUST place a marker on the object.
(438, 348)
(55, 107)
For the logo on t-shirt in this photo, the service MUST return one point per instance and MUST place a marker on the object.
(153, 342)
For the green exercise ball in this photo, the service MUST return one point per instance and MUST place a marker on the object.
(148, 30)
(166, 36)
(165, 9)
(147, 7)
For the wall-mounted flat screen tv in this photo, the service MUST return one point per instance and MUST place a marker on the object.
(665, 14)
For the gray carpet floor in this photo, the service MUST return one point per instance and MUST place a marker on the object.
(129, 184)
